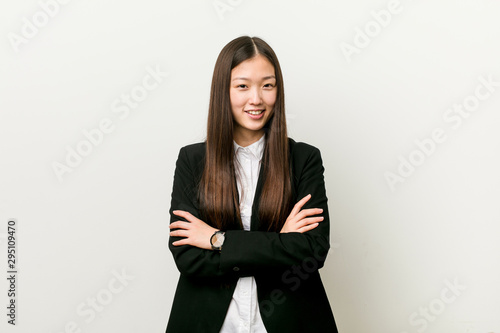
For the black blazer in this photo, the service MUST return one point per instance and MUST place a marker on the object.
(285, 265)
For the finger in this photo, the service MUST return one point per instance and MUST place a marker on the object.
(180, 225)
(305, 222)
(187, 215)
(310, 220)
(183, 241)
(179, 233)
(298, 206)
(182, 213)
(308, 212)
(308, 227)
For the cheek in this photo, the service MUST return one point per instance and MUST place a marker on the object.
(270, 99)
(236, 99)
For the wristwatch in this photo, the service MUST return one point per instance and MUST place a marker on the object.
(217, 240)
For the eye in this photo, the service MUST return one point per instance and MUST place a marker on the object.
(242, 86)
(269, 85)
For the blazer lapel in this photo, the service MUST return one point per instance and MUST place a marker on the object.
(254, 221)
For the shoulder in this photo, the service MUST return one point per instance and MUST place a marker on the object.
(192, 156)
(304, 158)
(194, 149)
(302, 150)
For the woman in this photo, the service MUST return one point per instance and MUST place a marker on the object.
(247, 248)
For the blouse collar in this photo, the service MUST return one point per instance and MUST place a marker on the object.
(256, 148)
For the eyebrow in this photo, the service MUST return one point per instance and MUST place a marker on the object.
(264, 78)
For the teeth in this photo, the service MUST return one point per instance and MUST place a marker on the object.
(255, 112)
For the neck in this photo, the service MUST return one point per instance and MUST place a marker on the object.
(246, 139)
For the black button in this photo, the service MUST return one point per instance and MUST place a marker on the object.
(236, 269)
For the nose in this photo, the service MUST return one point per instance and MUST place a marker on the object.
(255, 97)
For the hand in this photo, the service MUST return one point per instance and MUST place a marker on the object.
(197, 232)
(298, 221)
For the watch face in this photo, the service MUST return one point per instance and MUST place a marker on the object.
(219, 239)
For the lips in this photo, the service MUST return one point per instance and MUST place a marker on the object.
(257, 113)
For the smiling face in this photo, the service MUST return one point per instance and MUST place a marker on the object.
(253, 94)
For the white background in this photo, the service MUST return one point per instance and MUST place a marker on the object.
(394, 250)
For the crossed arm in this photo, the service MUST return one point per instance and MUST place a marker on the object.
(197, 233)
(248, 252)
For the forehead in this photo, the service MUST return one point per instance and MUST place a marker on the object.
(255, 67)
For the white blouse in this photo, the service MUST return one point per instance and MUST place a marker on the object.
(243, 315)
